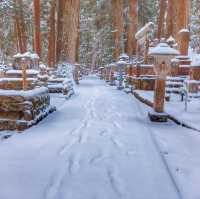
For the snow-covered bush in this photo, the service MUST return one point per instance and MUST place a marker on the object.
(65, 70)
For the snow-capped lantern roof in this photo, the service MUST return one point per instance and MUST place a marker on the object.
(163, 49)
(196, 62)
(163, 53)
(124, 57)
(184, 30)
(121, 63)
(35, 56)
(112, 65)
(27, 55)
(17, 56)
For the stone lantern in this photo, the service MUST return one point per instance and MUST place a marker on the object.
(101, 72)
(163, 54)
(124, 57)
(120, 65)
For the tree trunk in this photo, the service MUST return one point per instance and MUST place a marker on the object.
(71, 29)
(161, 17)
(170, 19)
(181, 22)
(59, 31)
(78, 35)
(51, 36)
(37, 34)
(132, 28)
(117, 10)
(20, 26)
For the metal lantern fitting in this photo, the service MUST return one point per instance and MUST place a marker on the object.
(124, 57)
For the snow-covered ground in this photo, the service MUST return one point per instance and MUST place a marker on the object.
(100, 145)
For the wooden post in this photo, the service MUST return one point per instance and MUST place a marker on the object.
(159, 95)
(24, 75)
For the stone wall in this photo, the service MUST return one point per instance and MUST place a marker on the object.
(22, 109)
(16, 83)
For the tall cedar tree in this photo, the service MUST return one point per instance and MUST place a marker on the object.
(52, 36)
(132, 28)
(117, 10)
(20, 31)
(182, 16)
(59, 28)
(161, 18)
(37, 33)
(71, 29)
(170, 19)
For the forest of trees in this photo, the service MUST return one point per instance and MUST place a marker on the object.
(81, 31)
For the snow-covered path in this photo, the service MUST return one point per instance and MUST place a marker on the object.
(96, 146)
